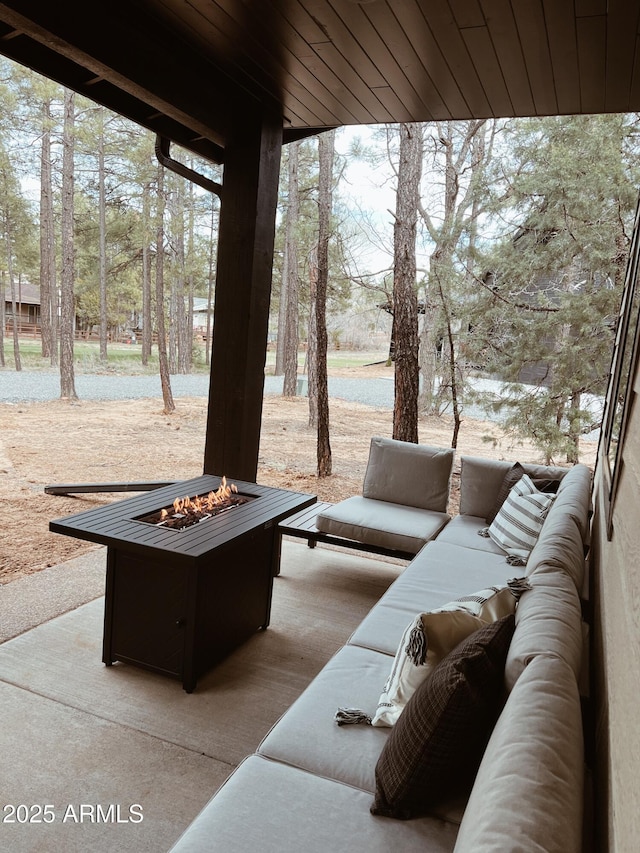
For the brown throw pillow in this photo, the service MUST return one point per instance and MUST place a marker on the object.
(435, 748)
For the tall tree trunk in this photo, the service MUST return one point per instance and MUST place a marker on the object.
(312, 339)
(67, 308)
(102, 217)
(291, 268)
(12, 284)
(210, 282)
(405, 297)
(189, 281)
(326, 149)
(165, 379)
(48, 319)
(182, 339)
(147, 321)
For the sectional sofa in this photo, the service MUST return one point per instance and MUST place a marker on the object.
(312, 783)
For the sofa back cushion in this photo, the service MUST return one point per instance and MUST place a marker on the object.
(548, 622)
(559, 547)
(481, 481)
(574, 497)
(410, 474)
(528, 793)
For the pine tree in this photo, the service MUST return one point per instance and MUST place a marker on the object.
(545, 313)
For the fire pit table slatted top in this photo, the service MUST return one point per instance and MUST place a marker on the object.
(120, 524)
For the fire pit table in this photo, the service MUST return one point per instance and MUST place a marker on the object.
(178, 599)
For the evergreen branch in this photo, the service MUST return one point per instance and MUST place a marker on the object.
(537, 309)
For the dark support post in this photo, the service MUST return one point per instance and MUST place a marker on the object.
(242, 296)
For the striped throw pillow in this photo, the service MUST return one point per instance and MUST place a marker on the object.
(519, 521)
(431, 636)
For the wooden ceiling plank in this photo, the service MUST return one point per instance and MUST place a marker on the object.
(335, 29)
(211, 24)
(396, 107)
(332, 57)
(563, 48)
(427, 49)
(586, 8)
(300, 59)
(622, 31)
(592, 48)
(369, 39)
(301, 93)
(366, 35)
(452, 44)
(468, 13)
(533, 38)
(341, 88)
(408, 60)
(483, 56)
(634, 95)
(293, 80)
(503, 30)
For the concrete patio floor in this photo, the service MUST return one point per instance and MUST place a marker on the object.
(96, 758)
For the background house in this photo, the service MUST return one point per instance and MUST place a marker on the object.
(27, 308)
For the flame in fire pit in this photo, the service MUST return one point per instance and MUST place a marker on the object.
(203, 503)
(190, 510)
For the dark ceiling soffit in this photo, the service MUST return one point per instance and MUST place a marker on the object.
(293, 134)
(163, 153)
(41, 59)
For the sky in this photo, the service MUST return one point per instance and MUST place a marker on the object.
(371, 189)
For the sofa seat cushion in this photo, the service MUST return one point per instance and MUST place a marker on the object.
(352, 678)
(437, 744)
(274, 808)
(548, 622)
(437, 575)
(382, 524)
(528, 792)
(464, 530)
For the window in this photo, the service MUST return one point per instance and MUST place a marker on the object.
(620, 391)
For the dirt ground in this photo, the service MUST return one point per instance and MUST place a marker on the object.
(98, 442)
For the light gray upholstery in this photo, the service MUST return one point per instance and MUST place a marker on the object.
(439, 574)
(310, 785)
(345, 753)
(404, 498)
(383, 524)
(465, 533)
(481, 479)
(415, 475)
(549, 622)
(270, 807)
(528, 793)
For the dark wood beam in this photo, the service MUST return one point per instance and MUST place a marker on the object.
(242, 296)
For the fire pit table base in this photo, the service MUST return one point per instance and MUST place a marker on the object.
(179, 601)
(179, 621)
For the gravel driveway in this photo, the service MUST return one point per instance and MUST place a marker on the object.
(39, 386)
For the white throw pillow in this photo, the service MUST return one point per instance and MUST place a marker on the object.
(430, 637)
(519, 521)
